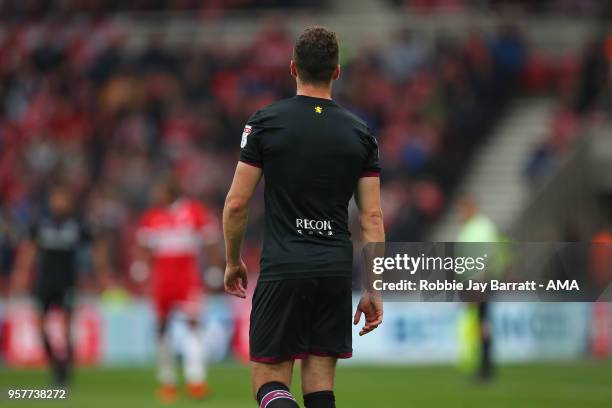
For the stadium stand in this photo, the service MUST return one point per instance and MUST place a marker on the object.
(82, 104)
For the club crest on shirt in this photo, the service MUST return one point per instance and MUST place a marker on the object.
(245, 134)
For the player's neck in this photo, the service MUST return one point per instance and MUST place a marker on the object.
(313, 91)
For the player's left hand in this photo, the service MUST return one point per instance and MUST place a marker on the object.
(371, 306)
(235, 280)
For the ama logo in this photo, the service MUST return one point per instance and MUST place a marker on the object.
(245, 134)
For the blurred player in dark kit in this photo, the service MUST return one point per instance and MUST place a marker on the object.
(53, 247)
(315, 156)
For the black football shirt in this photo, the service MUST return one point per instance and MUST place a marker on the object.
(58, 241)
(312, 153)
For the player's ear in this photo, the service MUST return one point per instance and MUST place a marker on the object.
(293, 69)
(336, 73)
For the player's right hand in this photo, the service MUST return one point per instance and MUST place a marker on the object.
(235, 281)
(372, 307)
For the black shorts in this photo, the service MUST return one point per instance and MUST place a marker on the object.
(293, 318)
(60, 298)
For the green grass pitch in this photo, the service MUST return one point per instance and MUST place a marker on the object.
(587, 384)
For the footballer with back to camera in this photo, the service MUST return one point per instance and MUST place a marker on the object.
(314, 156)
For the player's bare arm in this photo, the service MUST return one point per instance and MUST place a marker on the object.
(235, 216)
(23, 265)
(367, 198)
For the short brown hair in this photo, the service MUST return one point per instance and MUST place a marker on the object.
(316, 55)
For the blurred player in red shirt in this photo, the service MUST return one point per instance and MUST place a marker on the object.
(170, 237)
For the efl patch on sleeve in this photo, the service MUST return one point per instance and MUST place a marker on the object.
(245, 134)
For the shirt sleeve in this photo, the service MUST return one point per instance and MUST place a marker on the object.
(250, 144)
(371, 167)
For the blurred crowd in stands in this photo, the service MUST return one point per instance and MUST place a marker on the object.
(583, 96)
(556, 7)
(19, 10)
(80, 107)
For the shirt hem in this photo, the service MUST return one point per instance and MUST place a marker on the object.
(272, 277)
